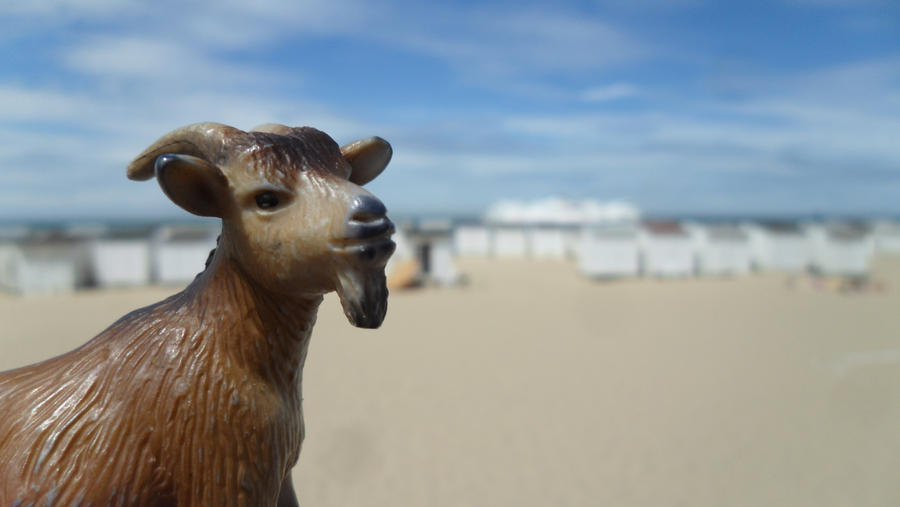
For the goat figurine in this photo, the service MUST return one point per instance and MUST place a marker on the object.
(195, 400)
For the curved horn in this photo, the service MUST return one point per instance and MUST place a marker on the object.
(368, 157)
(273, 128)
(202, 140)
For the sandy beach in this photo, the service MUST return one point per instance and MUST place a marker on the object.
(533, 386)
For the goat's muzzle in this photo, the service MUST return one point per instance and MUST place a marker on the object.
(361, 254)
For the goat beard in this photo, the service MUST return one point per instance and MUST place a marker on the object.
(363, 294)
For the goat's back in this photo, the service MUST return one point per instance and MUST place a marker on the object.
(164, 422)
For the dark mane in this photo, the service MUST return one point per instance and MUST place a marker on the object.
(281, 157)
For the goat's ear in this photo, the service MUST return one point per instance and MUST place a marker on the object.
(192, 183)
(367, 158)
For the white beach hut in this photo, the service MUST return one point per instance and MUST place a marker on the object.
(722, 249)
(572, 239)
(608, 252)
(510, 241)
(45, 262)
(433, 244)
(472, 240)
(886, 236)
(551, 227)
(436, 258)
(179, 252)
(667, 250)
(779, 246)
(841, 249)
(10, 262)
(10, 256)
(120, 258)
(549, 241)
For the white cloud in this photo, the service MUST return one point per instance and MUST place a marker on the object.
(18, 103)
(156, 62)
(242, 24)
(68, 8)
(135, 58)
(554, 40)
(501, 43)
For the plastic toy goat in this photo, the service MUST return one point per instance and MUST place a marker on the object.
(196, 400)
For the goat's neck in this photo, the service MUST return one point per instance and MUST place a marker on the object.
(259, 331)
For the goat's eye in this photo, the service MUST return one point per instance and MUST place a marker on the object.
(266, 200)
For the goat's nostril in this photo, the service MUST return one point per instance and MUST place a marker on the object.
(365, 216)
(367, 220)
(367, 209)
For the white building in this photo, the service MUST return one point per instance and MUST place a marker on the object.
(10, 265)
(667, 250)
(886, 235)
(721, 249)
(40, 264)
(436, 259)
(554, 210)
(549, 242)
(551, 227)
(120, 258)
(608, 252)
(510, 241)
(433, 243)
(425, 254)
(472, 240)
(841, 249)
(179, 253)
(779, 246)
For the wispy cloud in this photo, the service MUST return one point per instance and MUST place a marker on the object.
(69, 9)
(30, 104)
(510, 42)
(146, 59)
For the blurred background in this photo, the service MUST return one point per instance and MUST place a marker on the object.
(648, 251)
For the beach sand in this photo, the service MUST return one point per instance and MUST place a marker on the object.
(533, 386)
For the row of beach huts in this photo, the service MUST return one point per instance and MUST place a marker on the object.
(62, 259)
(67, 258)
(653, 248)
(676, 249)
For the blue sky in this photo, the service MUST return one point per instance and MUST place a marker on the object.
(682, 106)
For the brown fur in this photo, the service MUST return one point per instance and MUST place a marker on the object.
(285, 156)
(189, 401)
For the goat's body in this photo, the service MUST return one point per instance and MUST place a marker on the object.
(196, 400)
(191, 401)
